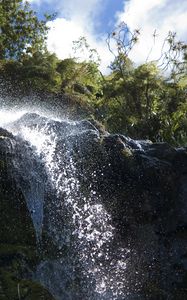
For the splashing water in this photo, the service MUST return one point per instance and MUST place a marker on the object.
(7, 116)
(77, 220)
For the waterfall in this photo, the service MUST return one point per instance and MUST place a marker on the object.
(89, 264)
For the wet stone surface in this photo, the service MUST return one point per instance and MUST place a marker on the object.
(89, 215)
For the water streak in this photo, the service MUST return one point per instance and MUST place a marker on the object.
(88, 232)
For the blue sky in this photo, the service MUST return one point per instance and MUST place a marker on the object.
(95, 18)
(105, 17)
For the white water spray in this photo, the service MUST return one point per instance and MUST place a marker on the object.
(8, 116)
(90, 230)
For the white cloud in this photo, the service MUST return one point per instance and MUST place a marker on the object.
(150, 15)
(75, 19)
(82, 11)
(79, 18)
(63, 32)
(37, 2)
(40, 2)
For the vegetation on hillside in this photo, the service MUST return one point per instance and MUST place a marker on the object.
(145, 101)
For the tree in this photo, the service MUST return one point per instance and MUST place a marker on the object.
(81, 75)
(21, 31)
(149, 100)
(40, 71)
(173, 56)
(130, 103)
(82, 48)
(120, 43)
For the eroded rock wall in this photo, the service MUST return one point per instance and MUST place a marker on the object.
(143, 186)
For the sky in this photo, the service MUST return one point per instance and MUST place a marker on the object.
(94, 19)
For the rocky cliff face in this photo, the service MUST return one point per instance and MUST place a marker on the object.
(146, 196)
(91, 216)
(19, 253)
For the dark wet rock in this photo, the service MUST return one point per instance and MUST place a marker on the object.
(180, 161)
(4, 133)
(18, 249)
(161, 151)
(142, 185)
(147, 198)
(14, 211)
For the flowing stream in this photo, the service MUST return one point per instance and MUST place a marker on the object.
(87, 264)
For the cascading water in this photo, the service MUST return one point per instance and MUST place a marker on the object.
(88, 264)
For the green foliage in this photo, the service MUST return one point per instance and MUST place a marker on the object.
(23, 54)
(21, 31)
(40, 71)
(140, 101)
(81, 47)
(143, 101)
(143, 104)
(83, 77)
